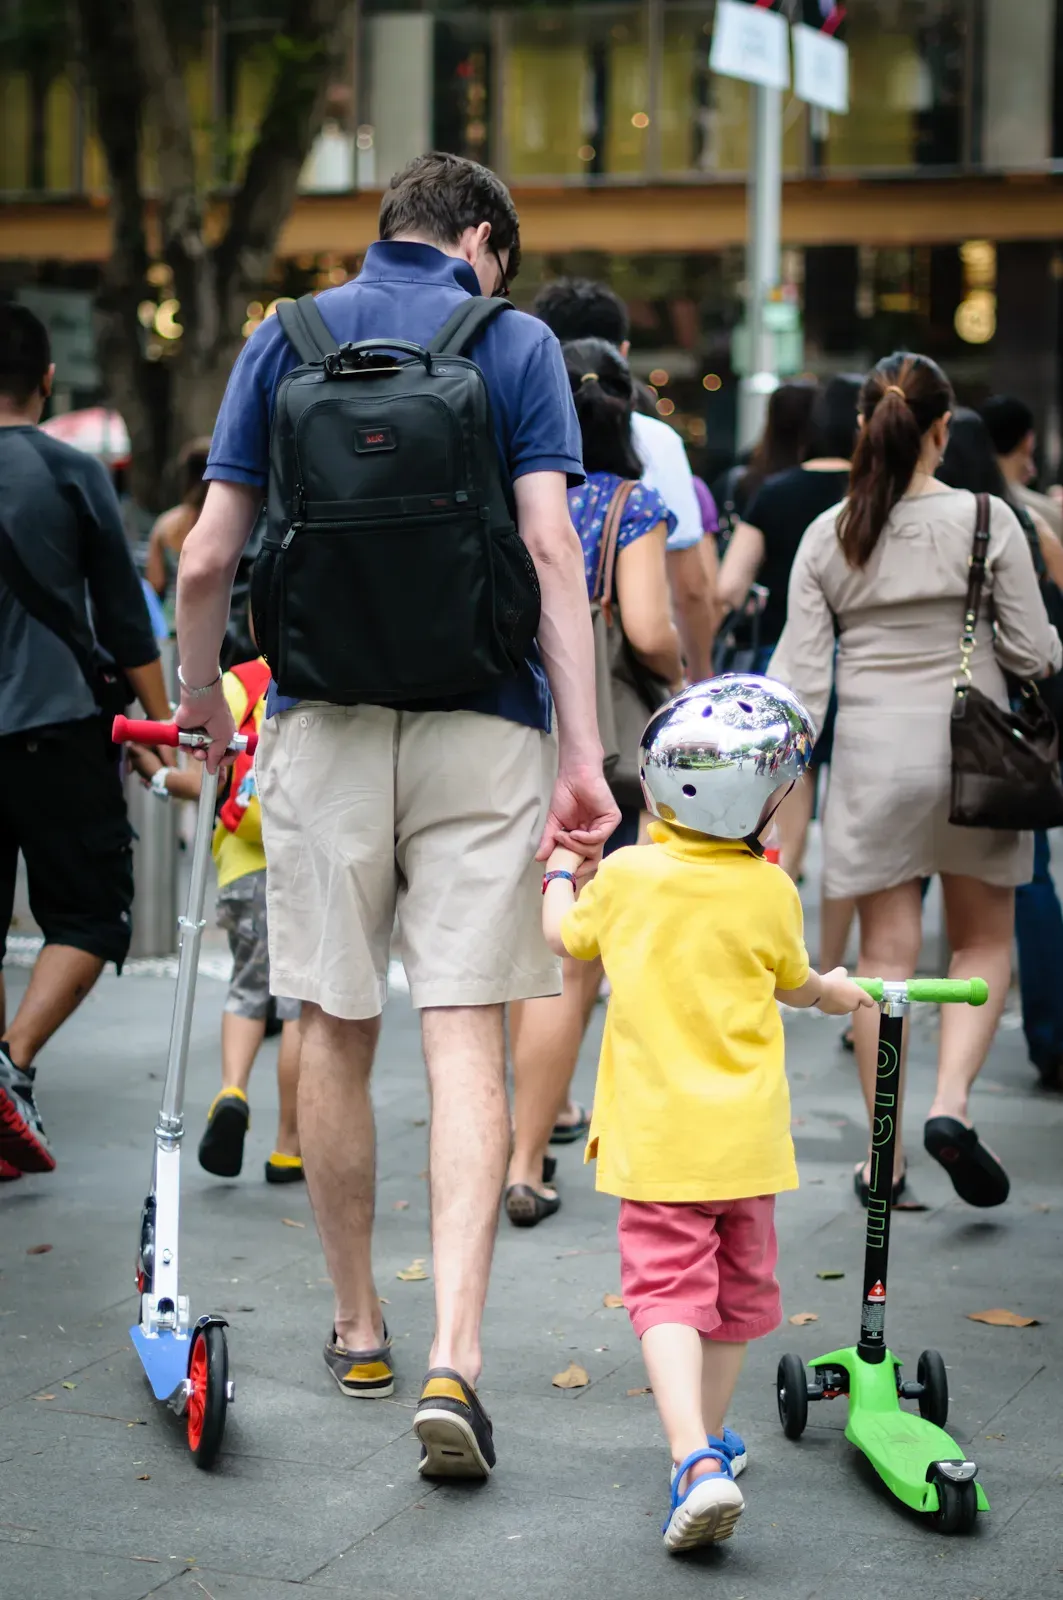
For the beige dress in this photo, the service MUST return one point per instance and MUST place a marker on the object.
(899, 621)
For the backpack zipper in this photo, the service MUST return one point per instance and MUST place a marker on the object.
(299, 518)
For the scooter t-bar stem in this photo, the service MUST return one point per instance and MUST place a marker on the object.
(129, 731)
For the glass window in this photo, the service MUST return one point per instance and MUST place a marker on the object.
(575, 93)
(38, 123)
(461, 119)
(907, 82)
(704, 117)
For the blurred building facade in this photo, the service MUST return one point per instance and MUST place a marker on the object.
(931, 216)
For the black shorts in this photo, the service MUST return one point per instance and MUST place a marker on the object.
(62, 806)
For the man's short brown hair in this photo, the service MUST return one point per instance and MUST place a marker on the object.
(440, 195)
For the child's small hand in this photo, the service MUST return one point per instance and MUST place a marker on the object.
(840, 994)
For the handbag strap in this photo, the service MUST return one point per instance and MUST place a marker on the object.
(603, 583)
(45, 608)
(975, 584)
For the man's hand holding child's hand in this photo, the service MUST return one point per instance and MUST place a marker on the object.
(840, 994)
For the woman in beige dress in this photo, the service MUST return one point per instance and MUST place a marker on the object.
(885, 573)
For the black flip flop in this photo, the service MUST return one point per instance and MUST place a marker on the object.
(571, 1132)
(976, 1174)
(526, 1207)
(863, 1189)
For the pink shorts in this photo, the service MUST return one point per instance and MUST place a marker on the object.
(709, 1265)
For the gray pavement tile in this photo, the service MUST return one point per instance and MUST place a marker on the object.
(262, 1517)
(29, 1573)
(198, 1582)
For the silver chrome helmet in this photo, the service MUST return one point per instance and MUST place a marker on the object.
(713, 758)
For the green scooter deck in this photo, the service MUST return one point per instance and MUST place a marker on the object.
(899, 1445)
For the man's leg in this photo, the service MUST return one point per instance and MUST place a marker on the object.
(61, 978)
(465, 1056)
(339, 1155)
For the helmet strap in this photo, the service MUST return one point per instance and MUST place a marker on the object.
(753, 840)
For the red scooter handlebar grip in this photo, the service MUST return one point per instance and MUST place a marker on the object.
(125, 730)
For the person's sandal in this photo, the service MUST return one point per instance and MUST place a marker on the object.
(862, 1188)
(281, 1168)
(526, 1207)
(977, 1176)
(571, 1132)
(453, 1427)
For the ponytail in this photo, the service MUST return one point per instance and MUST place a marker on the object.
(604, 395)
(900, 401)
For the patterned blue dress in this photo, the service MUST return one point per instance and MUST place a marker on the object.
(589, 504)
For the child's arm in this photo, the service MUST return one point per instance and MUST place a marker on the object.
(182, 783)
(834, 993)
(559, 895)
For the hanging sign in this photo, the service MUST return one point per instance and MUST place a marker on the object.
(751, 42)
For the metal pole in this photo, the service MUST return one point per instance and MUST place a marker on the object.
(763, 259)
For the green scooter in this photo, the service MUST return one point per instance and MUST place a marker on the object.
(913, 1455)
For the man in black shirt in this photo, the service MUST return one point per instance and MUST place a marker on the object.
(61, 801)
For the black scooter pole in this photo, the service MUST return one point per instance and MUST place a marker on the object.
(872, 1345)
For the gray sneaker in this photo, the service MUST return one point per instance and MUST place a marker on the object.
(363, 1374)
(23, 1141)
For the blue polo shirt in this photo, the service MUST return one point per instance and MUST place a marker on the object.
(409, 291)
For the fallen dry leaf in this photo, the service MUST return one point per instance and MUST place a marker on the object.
(143, 1477)
(573, 1377)
(799, 1318)
(909, 1205)
(44, 1396)
(1003, 1319)
(289, 1223)
(38, 1249)
(1040, 1206)
(613, 1302)
(419, 1122)
(830, 1273)
(384, 1301)
(70, 1386)
(995, 1436)
(633, 1392)
(414, 1273)
(423, 1175)
(401, 1205)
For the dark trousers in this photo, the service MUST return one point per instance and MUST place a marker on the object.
(1039, 932)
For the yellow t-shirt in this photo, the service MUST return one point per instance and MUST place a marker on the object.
(235, 857)
(696, 934)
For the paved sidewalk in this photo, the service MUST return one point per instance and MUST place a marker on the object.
(319, 1494)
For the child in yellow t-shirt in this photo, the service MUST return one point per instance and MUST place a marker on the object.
(240, 860)
(699, 936)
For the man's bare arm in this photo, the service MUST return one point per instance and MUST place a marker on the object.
(209, 559)
(583, 813)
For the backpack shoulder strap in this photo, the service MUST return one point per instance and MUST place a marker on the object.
(466, 325)
(305, 328)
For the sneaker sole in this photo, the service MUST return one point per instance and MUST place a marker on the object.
(450, 1446)
(221, 1149)
(694, 1525)
(381, 1389)
(19, 1145)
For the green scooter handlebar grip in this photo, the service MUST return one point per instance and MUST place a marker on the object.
(935, 991)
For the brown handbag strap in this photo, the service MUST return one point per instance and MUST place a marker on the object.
(975, 583)
(603, 583)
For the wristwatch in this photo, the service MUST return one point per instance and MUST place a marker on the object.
(158, 784)
(203, 689)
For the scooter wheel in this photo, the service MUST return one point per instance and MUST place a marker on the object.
(957, 1506)
(792, 1395)
(208, 1374)
(934, 1400)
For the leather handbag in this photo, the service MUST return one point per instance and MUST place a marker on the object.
(627, 693)
(1005, 763)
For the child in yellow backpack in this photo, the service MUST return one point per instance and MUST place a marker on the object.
(241, 866)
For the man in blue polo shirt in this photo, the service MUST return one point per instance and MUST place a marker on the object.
(438, 814)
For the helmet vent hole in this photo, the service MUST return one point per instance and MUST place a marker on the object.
(689, 790)
(744, 705)
(642, 772)
(706, 711)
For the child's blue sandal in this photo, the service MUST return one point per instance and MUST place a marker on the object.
(706, 1511)
(734, 1448)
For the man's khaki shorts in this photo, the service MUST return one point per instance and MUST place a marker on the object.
(436, 815)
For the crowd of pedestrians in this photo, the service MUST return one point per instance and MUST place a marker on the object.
(500, 825)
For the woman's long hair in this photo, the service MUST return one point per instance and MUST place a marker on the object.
(604, 394)
(192, 463)
(784, 440)
(901, 400)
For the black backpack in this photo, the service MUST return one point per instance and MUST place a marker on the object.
(391, 572)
